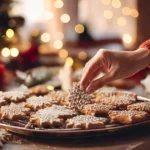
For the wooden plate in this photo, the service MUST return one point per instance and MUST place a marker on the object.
(73, 133)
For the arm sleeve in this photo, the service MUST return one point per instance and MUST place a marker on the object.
(146, 45)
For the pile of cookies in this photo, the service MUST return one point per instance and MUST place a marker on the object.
(75, 109)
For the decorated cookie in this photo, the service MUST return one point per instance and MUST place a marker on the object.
(127, 117)
(86, 122)
(142, 106)
(78, 98)
(2, 100)
(4, 137)
(40, 90)
(38, 102)
(14, 112)
(63, 112)
(46, 118)
(97, 109)
(24, 89)
(116, 100)
(15, 96)
(57, 97)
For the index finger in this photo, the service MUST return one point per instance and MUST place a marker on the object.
(90, 70)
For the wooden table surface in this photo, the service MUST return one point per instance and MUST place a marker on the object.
(134, 140)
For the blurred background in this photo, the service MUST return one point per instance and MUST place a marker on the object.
(52, 33)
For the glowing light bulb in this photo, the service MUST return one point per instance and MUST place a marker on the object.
(127, 38)
(51, 88)
(134, 13)
(58, 4)
(121, 21)
(10, 33)
(79, 28)
(82, 55)
(108, 14)
(14, 52)
(126, 11)
(105, 2)
(69, 61)
(45, 37)
(5, 52)
(63, 53)
(116, 3)
(65, 18)
(58, 44)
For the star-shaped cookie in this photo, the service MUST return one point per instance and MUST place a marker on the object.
(46, 118)
(78, 97)
(86, 122)
(127, 117)
(38, 102)
(14, 112)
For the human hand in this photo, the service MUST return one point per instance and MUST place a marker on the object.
(117, 64)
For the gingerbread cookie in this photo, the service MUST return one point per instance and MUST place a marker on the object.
(56, 97)
(118, 101)
(38, 102)
(40, 90)
(97, 109)
(15, 96)
(86, 122)
(4, 137)
(63, 112)
(24, 89)
(142, 106)
(14, 112)
(128, 117)
(2, 100)
(46, 118)
(107, 91)
(78, 98)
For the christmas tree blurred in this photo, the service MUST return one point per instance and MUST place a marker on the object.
(9, 36)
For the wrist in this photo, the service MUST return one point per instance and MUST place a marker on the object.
(142, 56)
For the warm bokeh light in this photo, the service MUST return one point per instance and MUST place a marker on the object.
(58, 4)
(79, 28)
(134, 13)
(108, 14)
(69, 61)
(82, 55)
(35, 32)
(105, 2)
(126, 11)
(58, 44)
(59, 35)
(48, 15)
(51, 88)
(127, 38)
(65, 18)
(10, 33)
(14, 52)
(5, 52)
(116, 3)
(42, 49)
(45, 37)
(63, 53)
(121, 21)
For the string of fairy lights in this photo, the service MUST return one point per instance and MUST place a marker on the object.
(121, 21)
(57, 40)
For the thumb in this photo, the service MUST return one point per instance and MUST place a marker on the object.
(98, 83)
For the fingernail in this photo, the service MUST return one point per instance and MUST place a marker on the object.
(90, 89)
